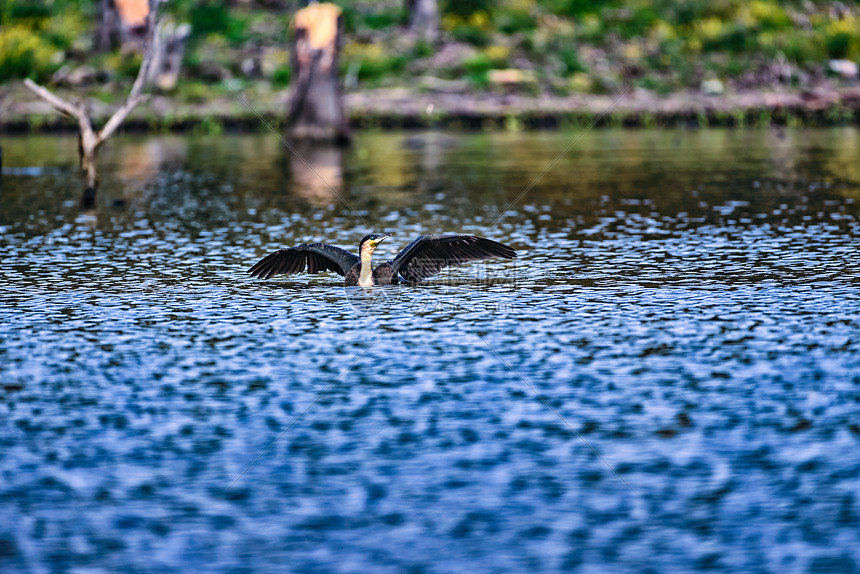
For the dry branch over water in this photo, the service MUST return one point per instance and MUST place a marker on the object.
(89, 139)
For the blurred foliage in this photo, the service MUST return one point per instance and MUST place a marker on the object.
(385, 18)
(478, 67)
(475, 28)
(466, 8)
(24, 54)
(35, 35)
(514, 21)
(843, 38)
(281, 76)
(372, 60)
(569, 45)
(121, 65)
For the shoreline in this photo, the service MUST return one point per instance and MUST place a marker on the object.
(402, 108)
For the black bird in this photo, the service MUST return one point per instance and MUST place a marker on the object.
(424, 257)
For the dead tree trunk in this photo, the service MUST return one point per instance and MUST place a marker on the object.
(316, 110)
(108, 34)
(89, 140)
(118, 22)
(424, 19)
(167, 51)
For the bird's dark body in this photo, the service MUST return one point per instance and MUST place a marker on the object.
(423, 257)
(382, 275)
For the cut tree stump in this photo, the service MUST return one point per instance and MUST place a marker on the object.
(168, 50)
(316, 110)
(424, 19)
(118, 22)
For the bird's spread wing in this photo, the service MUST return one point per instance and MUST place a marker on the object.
(428, 254)
(310, 257)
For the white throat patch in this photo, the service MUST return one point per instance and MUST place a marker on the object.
(365, 277)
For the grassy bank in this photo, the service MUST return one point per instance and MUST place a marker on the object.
(407, 109)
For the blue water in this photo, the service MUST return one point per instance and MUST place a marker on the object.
(667, 378)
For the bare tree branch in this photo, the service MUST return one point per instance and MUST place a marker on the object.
(135, 96)
(90, 140)
(88, 137)
(118, 117)
(62, 105)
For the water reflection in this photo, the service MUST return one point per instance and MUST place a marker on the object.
(414, 177)
(317, 173)
(139, 160)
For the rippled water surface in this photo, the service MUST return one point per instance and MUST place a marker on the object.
(668, 377)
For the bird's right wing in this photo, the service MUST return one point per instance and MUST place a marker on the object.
(310, 257)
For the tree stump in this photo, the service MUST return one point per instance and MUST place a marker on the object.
(424, 19)
(118, 22)
(168, 50)
(316, 110)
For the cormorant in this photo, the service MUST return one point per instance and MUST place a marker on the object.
(424, 257)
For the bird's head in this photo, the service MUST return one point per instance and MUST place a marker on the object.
(370, 242)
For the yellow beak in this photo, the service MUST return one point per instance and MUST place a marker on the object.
(375, 242)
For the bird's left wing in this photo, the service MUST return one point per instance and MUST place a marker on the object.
(429, 254)
(310, 257)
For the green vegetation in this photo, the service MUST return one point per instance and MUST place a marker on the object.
(566, 46)
(35, 36)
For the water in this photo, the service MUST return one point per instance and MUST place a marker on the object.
(668, 376)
